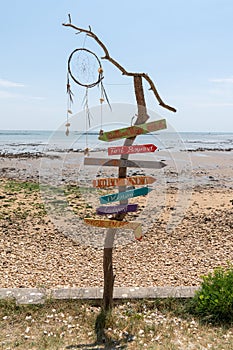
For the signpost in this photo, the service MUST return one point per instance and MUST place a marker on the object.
(131, 149)
(133, 131)
(122, 196)
(136, 226)
(140, 127)
(117, 209)
(115, 181)
(124, 163)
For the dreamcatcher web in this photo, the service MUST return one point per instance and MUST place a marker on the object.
(85, 68)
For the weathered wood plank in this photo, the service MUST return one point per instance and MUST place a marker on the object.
(117, 209)
(131, 149)
(115, 181)
(133, 131)
(124, 163)
(136, 226)
(121, 196)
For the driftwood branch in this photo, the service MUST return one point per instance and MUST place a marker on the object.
(122, 69)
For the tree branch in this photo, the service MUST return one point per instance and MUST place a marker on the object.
(122, 69)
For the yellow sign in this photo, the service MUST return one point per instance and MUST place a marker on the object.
(136, 226)
(114, 181)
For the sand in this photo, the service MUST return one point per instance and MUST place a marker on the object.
(187, 226)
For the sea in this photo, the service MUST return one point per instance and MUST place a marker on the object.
(36, 142)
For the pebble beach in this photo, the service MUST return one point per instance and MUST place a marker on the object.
(35, 252)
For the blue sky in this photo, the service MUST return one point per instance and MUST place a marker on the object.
(184, 46)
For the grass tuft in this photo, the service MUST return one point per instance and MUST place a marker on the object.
(71, 324)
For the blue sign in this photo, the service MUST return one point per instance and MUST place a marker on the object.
(121, 196)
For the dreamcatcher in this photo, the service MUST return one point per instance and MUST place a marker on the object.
(85, 68)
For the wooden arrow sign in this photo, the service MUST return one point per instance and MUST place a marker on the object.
(121, 196)
(124, 163)
(136, 226)
(131, 149)
(133, 130)
(115, 181)
(117, 209)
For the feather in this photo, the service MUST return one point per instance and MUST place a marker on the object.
(105, 95)
(68, 89)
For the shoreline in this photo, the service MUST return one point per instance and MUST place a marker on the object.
(217, 165)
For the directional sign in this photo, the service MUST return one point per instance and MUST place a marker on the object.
(117, 209)
(115, 181)
(136, 226)
(131, 149)
(124, 163)
(133, 130)
(121, 196)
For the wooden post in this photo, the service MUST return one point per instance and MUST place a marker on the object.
(108, 270)
(122, 173)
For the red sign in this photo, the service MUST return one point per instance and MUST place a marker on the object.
(131, 149)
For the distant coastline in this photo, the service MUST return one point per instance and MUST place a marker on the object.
(36, 142)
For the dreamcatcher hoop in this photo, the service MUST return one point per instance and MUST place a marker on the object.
(73, 64)
(85, 69)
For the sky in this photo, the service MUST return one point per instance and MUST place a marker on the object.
(184, 46)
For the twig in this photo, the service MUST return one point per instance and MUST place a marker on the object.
(122, 69)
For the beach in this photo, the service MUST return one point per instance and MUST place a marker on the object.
(187, 224)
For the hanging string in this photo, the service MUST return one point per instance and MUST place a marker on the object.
(86, 108)
(101, 107)
(69, 102)
(88, 121)
(68, 89)
(105, 94)
(103, 97)
(67, 123)
(84, 40)
(132, 119)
